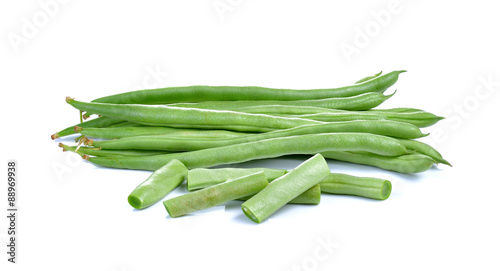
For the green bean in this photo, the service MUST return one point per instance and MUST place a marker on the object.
(284, 189)
(199, 178)
(367, 187)
(268, 148)
(109, 153)
(126, 124)
(425, 149)
(158, 185)
(190, 117)
(310, 196)
(363, 101)
(386, 128)
(121, 132)
(408, 163)
(215, 195)
(336, 183)
(230, 93)
(97, 122)
(368, 78)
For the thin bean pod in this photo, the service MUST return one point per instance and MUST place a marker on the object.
(284, 189)
(268, 148)
(236, 93)
(363, 101)
(408, 163)
(367, 187)
(215, 195)
(121, 132)
(368, 78)
(97, 122)
(158, 185)
(109, 153)
(190, 117)
(425, 149)
(167, 143)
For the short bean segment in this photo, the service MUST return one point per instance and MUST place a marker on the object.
(360, 102)
(167, 143)
(215, 195)
(201, 178)
(269, 148)
(284, 189)
(191, 117)
(158, 185)
(367, 187)
(121, 132)
(235, 93)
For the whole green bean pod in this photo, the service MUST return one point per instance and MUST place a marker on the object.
(158, 185)
(408, 163)
(363, 101)
(386, 128)
(425, 149)
(121, 132)
(109, 153)
(190, 117)
(236, 93)
(284, 189)
(215, 195)
(367, 187)
(97, 122)
(268, 148)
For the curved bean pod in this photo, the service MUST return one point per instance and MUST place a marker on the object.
(363, 101)
(408, 163)
(268, 148)
(167, 143)
(97, 122)
(190, 117)
(230, 93)
(425, 149)
(368, 78)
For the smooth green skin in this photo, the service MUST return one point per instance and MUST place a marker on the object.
(368, 78)
(199, 178)
(109, 153)
(367, 187)
(363, 101)
(215, 195)
(269, 148)
(126, 124)
(236, 93)
(282, 190)
(160, 115)
(383, 127)
(425, 149)
(158, 185)
(97, 122)
(408, 163)
(121, 132)
(300, 110)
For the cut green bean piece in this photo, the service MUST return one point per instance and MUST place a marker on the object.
(310, 196)
(215, 195)
(158, 185)
(199, 178)
(284, 189)
(366, 187)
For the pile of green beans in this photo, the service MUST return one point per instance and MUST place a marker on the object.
(182, 132)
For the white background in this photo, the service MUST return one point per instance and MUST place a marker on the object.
(74, 216)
